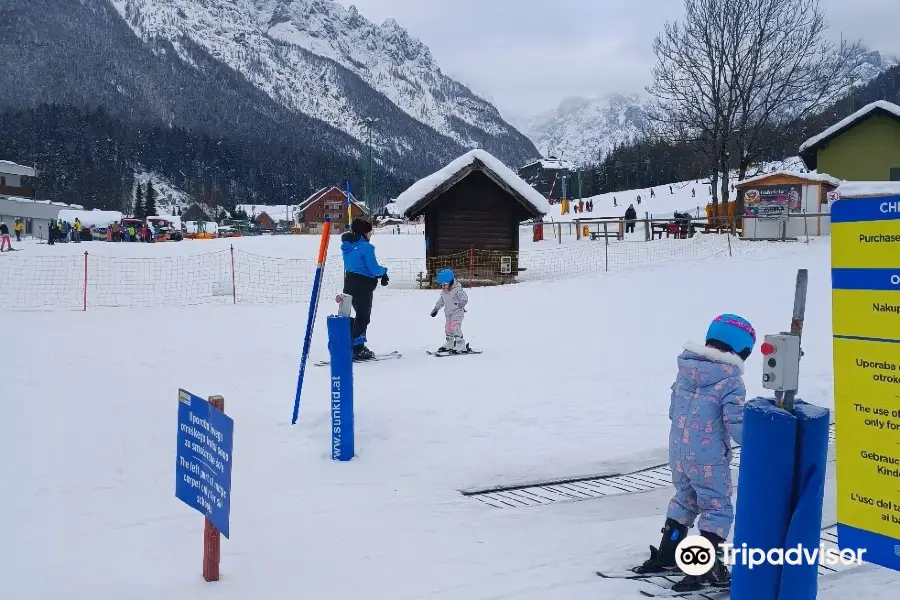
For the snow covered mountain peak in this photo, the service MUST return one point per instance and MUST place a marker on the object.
(584, 129)
(581, 129)
(324, 60)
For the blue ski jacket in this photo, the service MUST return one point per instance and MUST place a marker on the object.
(707, 407)
(359, 256)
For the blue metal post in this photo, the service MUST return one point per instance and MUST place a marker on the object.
(339, 346)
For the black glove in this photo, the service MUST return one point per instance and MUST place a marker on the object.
(385, 279)
(434, 313)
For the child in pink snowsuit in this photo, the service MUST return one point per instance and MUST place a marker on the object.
(453, 300)
(707, 413)
(5, 241)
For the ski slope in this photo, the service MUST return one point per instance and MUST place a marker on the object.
(574, 380)
(690, 196)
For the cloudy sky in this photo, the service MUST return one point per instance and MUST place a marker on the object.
(528, 55)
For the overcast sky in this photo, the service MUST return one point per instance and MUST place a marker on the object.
(526, 56)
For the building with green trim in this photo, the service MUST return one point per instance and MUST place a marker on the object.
(863, 147)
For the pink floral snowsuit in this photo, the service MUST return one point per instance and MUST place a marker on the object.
(707, 412)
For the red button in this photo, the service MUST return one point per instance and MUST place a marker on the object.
(767, 349)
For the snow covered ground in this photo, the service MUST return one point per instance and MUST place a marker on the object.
(89, 403)
(280, 269)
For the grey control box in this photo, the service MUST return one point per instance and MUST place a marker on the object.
(781, 362)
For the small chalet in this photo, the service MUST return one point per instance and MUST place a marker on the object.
(328, 203)
(472, 209)
(776, 204)
(546, 176)
(265, 222)
(863, 147)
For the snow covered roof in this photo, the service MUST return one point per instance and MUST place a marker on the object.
(552, 163)
(91, 218)
(813, 177)
(808, 148)
(11, 168)
(421, 192)
(868, 189)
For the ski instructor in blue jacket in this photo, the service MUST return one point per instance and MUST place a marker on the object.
(361, 275)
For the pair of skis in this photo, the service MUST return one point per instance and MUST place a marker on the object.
(440, 353)
(659, 585)
(396, 354)
(378, 357)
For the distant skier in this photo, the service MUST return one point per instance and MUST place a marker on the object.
(361, 275)
(707, 412)
(453, 300)
(5, 242)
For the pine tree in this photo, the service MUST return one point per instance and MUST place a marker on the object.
(150, 205)
(138, 212)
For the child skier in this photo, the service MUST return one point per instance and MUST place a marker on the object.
(706, 411)
(453, 299)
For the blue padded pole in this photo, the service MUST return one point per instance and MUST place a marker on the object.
(765, 492)
(800, 581)
(342, 428)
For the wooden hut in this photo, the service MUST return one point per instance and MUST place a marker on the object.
(776, 204)
(472, 209)
(265, 222)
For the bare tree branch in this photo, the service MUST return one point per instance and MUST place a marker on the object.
(734, 70)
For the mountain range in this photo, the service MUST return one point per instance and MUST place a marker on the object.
(272, 98)
(583, 130)
(258, 102)
(317, 58)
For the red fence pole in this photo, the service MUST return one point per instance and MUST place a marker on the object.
(84, 288)
(233, 285)
(211, 536)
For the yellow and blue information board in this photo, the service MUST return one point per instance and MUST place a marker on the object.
(865, 260)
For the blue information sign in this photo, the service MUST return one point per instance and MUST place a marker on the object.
(203, 462)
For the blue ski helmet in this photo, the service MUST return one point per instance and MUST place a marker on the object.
(446, 276)
(735, 331)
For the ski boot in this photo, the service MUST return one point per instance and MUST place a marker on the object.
(447, 346)
(662, 560)
(460, 346)
(454, 345)
(718, 576)
(360, 352)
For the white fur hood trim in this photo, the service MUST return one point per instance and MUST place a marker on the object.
(716, 355)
